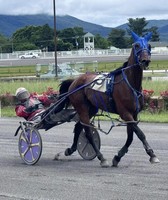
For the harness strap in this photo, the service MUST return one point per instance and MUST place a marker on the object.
(110, 85)
(136, 93)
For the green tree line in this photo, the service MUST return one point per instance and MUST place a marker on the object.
(42, 37)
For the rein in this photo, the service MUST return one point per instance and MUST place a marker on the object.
(137, 94)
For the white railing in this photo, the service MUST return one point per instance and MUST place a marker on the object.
(83, 53)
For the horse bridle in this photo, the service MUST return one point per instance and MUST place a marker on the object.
(140, 47)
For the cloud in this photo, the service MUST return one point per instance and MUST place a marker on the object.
(15, 7)
(104, 12)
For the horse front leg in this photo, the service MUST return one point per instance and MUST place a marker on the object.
(77, 130)
(124, 149)
(89, 136)
(148, 149)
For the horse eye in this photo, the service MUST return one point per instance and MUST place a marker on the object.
(137, 46)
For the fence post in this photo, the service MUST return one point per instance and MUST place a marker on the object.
(0, 109)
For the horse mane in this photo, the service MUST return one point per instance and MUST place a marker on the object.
(119, 70)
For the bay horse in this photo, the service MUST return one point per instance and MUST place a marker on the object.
(123, 97)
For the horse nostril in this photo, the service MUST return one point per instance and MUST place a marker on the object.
(145, 63)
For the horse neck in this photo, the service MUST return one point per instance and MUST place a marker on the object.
(134, 73)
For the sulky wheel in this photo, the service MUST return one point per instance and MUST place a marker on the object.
(30, 146)
(84, 148)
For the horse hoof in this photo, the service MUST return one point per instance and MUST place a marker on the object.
(104, 164)
(57, 156)
(114, 162)
(68, 152)
(154, 160)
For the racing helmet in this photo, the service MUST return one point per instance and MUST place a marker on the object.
(22, 94)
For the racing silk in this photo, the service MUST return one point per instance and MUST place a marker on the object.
(37, 103)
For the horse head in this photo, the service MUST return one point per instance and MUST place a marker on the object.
(141, 49)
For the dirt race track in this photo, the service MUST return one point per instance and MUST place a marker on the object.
(72, 178)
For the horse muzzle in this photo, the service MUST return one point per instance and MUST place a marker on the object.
(144, 60)
(145, 64)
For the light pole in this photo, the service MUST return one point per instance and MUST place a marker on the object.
(55, 39)
(12, 45)
(1, 51)
(76, 42)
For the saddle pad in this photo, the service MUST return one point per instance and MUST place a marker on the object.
(100, 83)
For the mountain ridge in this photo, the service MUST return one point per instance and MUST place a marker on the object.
(10, 23)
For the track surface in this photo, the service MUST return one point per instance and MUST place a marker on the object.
(74, 178)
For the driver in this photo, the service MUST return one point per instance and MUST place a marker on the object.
(31, 108)
(30, 105)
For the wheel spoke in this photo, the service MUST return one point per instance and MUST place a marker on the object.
(35, 144)
(31, 134)
(24, 153)
(32, 154)
(23, 138)
(84, 139)
(84, 147)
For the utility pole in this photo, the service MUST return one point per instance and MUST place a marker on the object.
(55, 39)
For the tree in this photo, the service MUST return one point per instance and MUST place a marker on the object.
(155, 34)
(138, 25)
(43, 37)
(73, 36)
(39, 36)
(23, 37)
(101, 42)
(68, 36)
(79, 33)
(5, 44)
(25, 46)
(63, 46)
(117, 38)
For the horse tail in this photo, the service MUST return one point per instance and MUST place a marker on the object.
(64, 86)
(63, 90)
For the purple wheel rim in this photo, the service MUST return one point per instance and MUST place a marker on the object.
(30, 146)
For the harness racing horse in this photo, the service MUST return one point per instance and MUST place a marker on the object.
(123, 97)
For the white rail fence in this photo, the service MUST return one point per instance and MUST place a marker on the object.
(80, 53)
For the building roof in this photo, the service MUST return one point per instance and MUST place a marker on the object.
(88, 35)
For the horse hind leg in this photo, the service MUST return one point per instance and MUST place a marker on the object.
(149, 150)
(124, 149)
(77, 130)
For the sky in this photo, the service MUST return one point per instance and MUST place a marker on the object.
(109, 13)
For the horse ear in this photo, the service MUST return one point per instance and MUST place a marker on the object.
(148, 36)
(134, 36)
